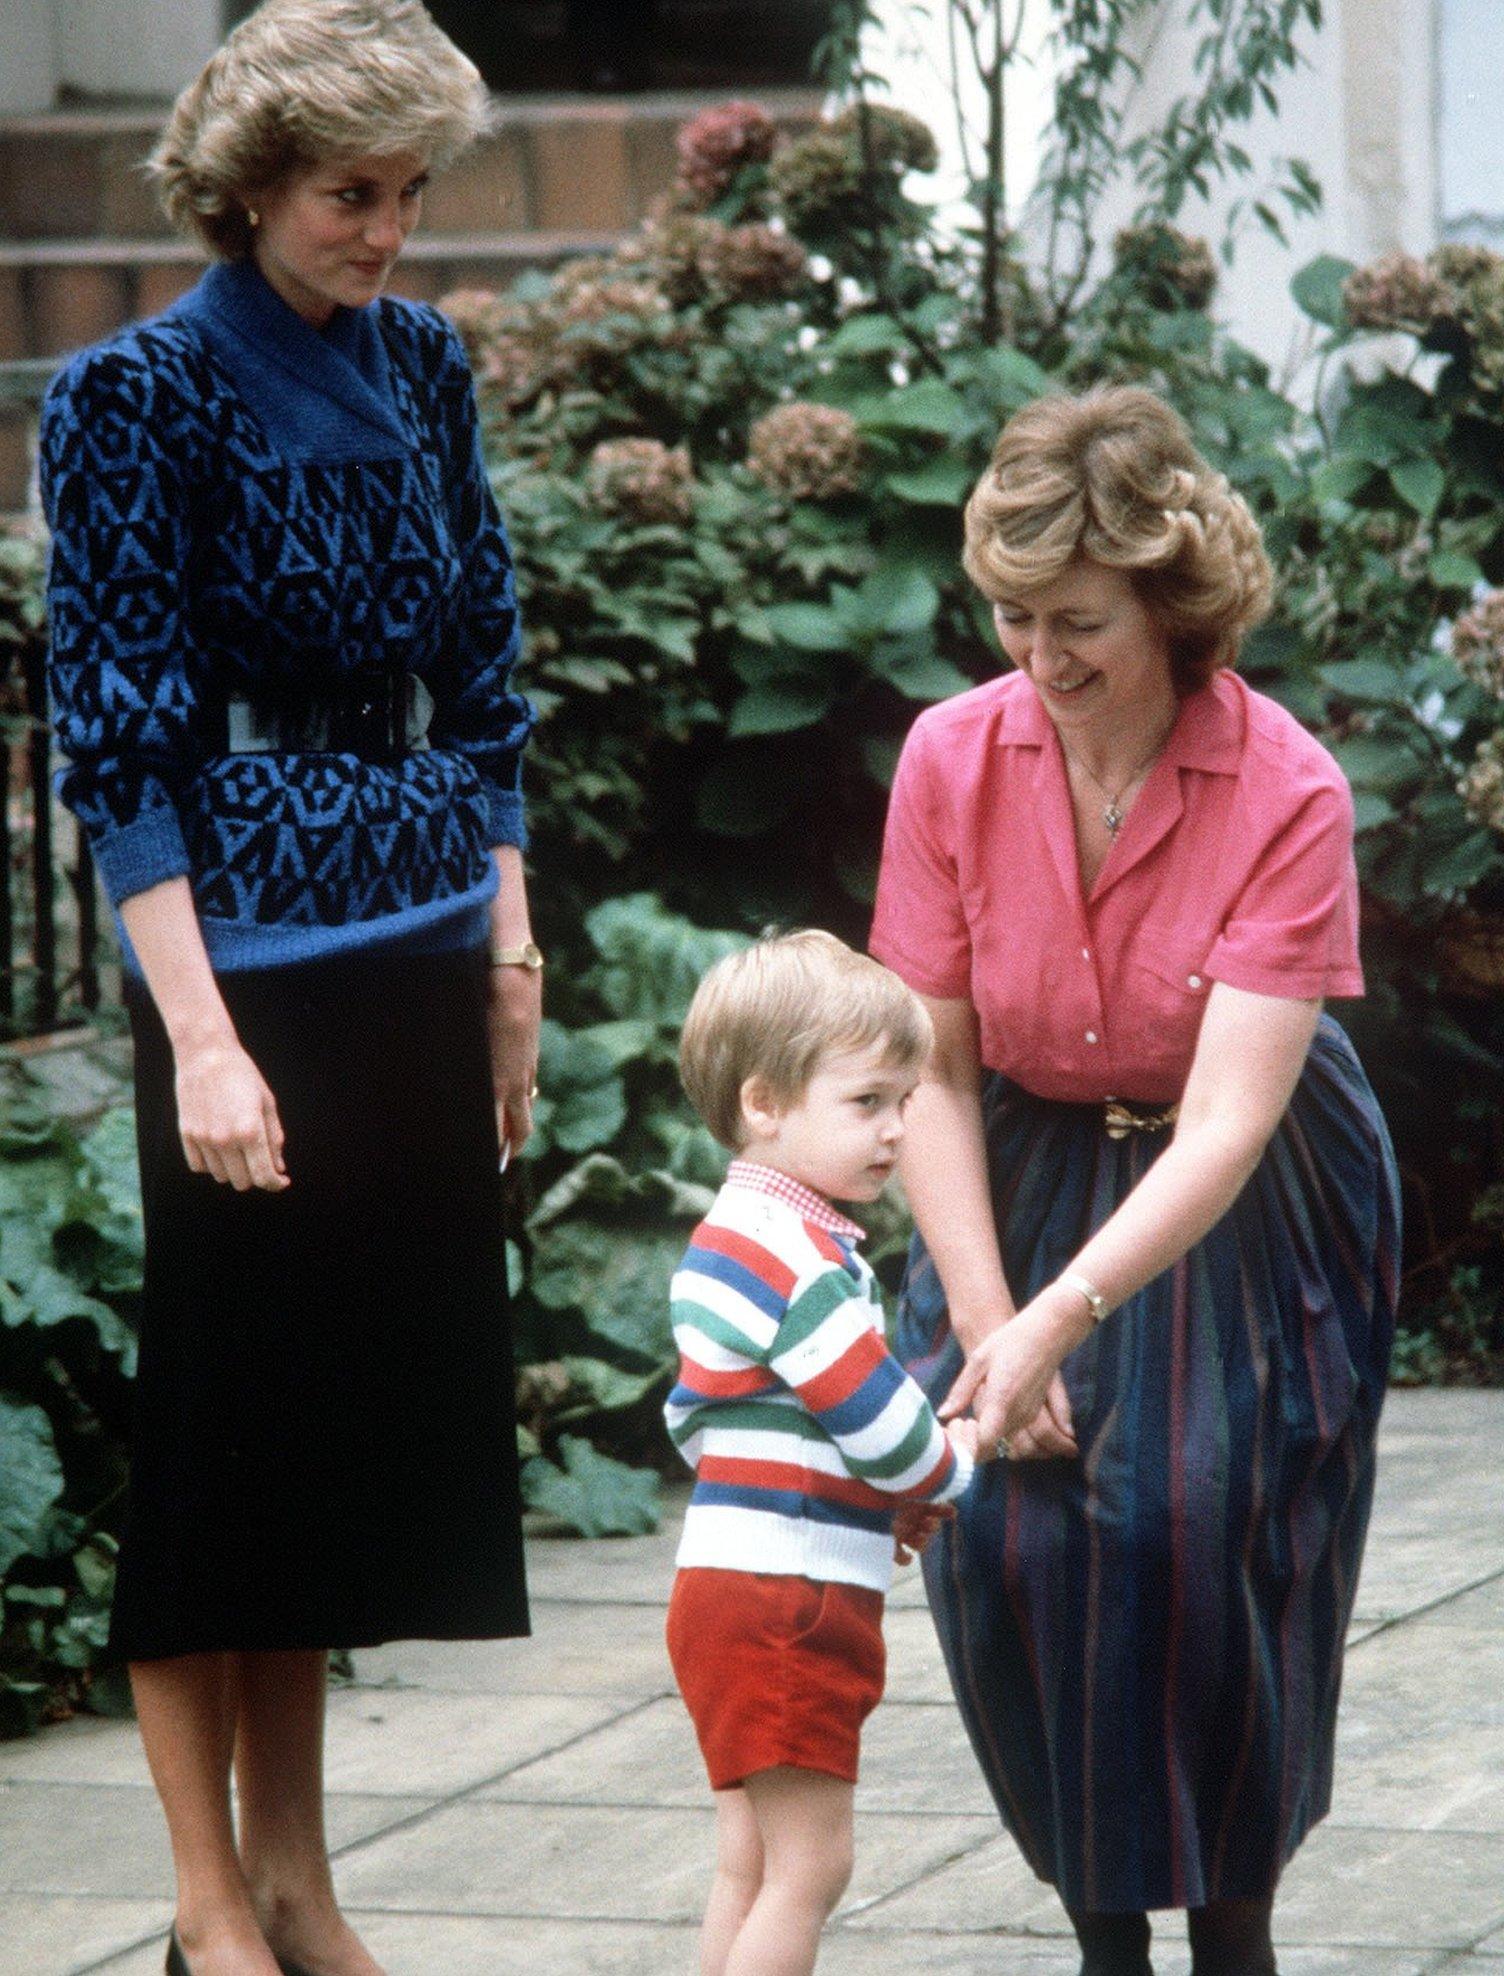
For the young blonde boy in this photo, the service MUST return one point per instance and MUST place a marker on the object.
(804, 1432)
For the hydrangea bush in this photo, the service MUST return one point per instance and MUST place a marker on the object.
(734, 454)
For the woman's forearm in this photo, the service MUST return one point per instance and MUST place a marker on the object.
(943, 1162)
(163, 927)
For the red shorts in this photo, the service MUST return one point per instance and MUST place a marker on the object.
(775, 1670)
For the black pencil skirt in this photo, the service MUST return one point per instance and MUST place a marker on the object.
(324, 1450)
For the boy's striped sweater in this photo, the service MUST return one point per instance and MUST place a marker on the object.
(802, 1427)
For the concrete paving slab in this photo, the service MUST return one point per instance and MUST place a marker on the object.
(984, 1889)
(1428, 1676)
(480, 1857)
(648, 1757)
(916, 1666)
(48, 1933)
(626, 1571)
(109, 1841)
(1434, 1890)
(1391, 1774)
(600, 1649)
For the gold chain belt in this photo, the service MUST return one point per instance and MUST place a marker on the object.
(1121, 1119)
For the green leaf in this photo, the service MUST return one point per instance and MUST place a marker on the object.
(651, 959)
(896, 598)
(780, 707)
(592, 1493)
(928, 406)
(943, 483)
(596, 1387)
(807, 627)
(1420, 483)
(1457, 870)
(1014, 377)
(1340, 479)
(1448, 569)
(1370, 809)
(31, 1478)
(865, 336)
(1317, 290)
(584, 1119)
(918, 672)
(1364, 679)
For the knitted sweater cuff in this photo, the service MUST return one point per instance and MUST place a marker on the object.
(506, 822)
(141, 854)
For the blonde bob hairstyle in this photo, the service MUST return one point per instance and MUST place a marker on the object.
(301, 82)
(1112, 477)
(777, 1009)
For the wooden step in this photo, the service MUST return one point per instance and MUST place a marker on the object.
(559, 164)
(58, 295)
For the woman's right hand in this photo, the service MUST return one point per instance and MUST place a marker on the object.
(227, 1119)
(1051, 1434)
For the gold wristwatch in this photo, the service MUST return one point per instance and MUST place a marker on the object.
(527, 955)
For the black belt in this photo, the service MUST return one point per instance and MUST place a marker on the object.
(376, 712)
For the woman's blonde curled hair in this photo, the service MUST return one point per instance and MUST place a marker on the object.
(300, 82)
(1112, 477)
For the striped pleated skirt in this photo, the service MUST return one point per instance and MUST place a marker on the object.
(1146, 1643)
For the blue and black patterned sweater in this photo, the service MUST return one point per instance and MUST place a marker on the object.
(242, 505)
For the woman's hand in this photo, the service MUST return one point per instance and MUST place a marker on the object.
(227, 1118)
(1010, 1381)
(1051, 1434)
(514, 1010)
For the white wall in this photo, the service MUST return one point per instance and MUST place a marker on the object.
(134, 47)
(28, 58)
(1471, 151)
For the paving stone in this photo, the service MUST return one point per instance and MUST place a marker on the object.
(1391, 1774)
(109, 1841)
(648, 1757)
(46, 1933)
(601, 1649)
(1393, 1889)
(627, 1570)
(916, 1666)
(984, 1889)
(591, 1863)
(1429, 1676)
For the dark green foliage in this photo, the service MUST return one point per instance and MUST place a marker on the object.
(70, 1275)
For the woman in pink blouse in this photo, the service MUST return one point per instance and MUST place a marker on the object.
(1156, 1201)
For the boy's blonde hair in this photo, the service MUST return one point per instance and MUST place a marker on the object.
(780, 1006)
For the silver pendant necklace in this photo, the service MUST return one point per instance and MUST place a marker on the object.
(1113, 813)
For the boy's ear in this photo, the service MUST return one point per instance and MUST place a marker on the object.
(760, 1109)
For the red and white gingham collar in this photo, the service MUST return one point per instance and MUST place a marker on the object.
(783, 1187)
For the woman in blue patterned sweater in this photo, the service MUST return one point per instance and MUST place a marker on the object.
(283, 622)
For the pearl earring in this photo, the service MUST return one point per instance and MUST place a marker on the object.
(253, 216)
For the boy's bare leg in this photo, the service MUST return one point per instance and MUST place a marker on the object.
(805, 1820)
(738, 1878)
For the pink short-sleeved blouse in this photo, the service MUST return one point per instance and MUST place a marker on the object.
(1235, 864)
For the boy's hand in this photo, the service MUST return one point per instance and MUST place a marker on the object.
(962, 1433)
(913, 1526)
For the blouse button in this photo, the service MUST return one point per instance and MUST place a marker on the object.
(1193, 981)
(1086, 953)
(1091, 1035)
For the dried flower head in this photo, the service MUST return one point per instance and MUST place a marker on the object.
(1397, 292)
(477, 313)
(750, 263)
(717, 144)
(818, 181)
(1478, 643)
(809, 452)
(1176, 270)
(896, 138)
(1482, 788)
(642, 480)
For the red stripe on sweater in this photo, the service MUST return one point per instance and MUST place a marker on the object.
(732, 1385)
(751, 1255)
(838, 1382)
(748, 1472)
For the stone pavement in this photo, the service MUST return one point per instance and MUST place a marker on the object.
(500, 1808)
